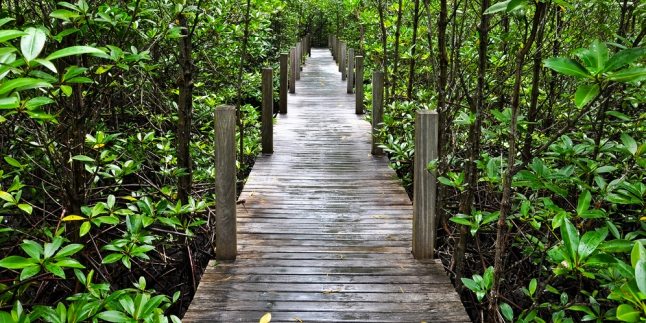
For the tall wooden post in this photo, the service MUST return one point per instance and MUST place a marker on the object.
(350, 85)
(292, 70)
(309, 45)
(267, 129)
(377, 110)
(329, 41)
(342, 62)
(284, 60)
(424, 184)
(299, 58)
(334, 47)
(226, 241)
(359, 81)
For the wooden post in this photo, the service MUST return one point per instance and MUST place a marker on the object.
(334, 47)
(359, 86)
(267, 128)
(299, 58)
(292, 70)
(309, 45)
(284, 57)
(342, 62)
(424, 184)
(350, 85)
(377, 110)
(226, 241)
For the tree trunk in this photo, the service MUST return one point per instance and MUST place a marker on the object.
(184, 113)
(411, 72)
(396, 53)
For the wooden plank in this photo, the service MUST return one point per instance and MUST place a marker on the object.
(325, 232)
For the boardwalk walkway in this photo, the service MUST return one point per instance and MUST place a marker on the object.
(325, 234)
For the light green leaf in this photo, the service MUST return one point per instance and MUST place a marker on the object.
(507, 311)
(33, 249)
(112, 258)
(32, 43)
(500, 6)
(584, 202)
(83, 158)
(69, 250)
(73, 50)
(11, 102)
(12, 162)
(570, 238)
(567, 66)
(638, 253)
(627, 313)
(47, 64)
(599, 52)
(7, 197)
(623, 58)
(64, 14)
(640, 275)
(3, 21)
(514, 4)
(26, 207)
(15, 262)
(69, 263)
(29, 271)
(629, 143)
(67, 90)
(633, 74)
(56, 270)
(585, 93)
(23, 83)
(589, 243)
(6, 35)
(85, 228)
(37, 102)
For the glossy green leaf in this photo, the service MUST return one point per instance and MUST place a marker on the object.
(15, 262)
(627, 313)
(7, 197)
(26, 208)
(69, 263)
(500, 6)
(3, 21)
(589, 243)
(47, 64)
(633, 74)
(618, 245)
(12, 162)
(64, 14)
(599, 52)
(600, 259)
(640, 275)
(629, 143)
(514, 4)
(507, 311)
(584, 202)
(567, 66)
(112, 258)
(37, 102)
(6, 35)
(570, 238)
(585, 93)
(11, 102)
(55, 269)
(623, 58)
(114, 316)
(23, 83)
(32, 43)
(638, 253)
(29, 271)
(32, 248)
(69, 250)
(85, 228)
(83, 158)
(73, 50)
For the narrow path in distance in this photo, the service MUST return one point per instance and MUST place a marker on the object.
(325, 233)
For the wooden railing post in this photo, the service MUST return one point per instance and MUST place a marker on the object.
(342, 62)
(359, 86)
(334, 47)
(350, 85)
(292, 70)
(329, 41)
(284, 60)
(226, 241)
(267, 129)
(424, 184)
(377, 110)
(309, 45)
(299, 58)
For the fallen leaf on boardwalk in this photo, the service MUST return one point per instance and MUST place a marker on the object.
(390, 243)
(344, 137)
(402, 267)
(382, 216)
(227, 279)
(388, 236)
(297, 319)
(401, 289)
(369, 155)
(338, 236)
(332, 291)
(251, 193)
(272, 292)
(341, 256)
(327, 275)
(266, 318)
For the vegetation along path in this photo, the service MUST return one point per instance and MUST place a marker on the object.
(325, 233)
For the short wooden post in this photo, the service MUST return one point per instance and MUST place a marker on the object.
(350, 85)
(342, 62)
(377, 110)
(284, 60)
(292, 70)
(334, 47)
(309, 45)
(299, 58)
(424, 183)
(267, 129)
(226, 241)
(359, 86)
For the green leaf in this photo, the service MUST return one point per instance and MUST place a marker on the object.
(507, 311)
(638, 253)
(629, 143)
(67, 90)
(114, 316)
(640, 275)
(589, 243)
(599, 52)
(470, 284)
(7, 197)
(627, 313)
(618, 115)
(29, 271)
(633, 74)
(33, 249)
(585, 93)
(567, 66)
(12, 162)
(571, 238)
(623, 58)
(3, 21)
(32, 43)
(11, 102)
(15, 262)
(584, 202)
(69, 263)
(38, 102)
(514, 4)
(500, 6)
(83, 158)
(618, 245)
(47, 64)
(112, 258)
(85, 228)
(26, 208)
(6, 35)
(69, 250)
(23, 83)
(64, 14)
(50, 248)
(56, 270)
(600, 259)
(73, 50)
(151, 305)
(532, 286)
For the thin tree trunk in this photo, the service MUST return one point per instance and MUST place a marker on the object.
(411, 72)
(239, 105)
(396, 53)
(505, 204)
(384, 38)
(184, 113)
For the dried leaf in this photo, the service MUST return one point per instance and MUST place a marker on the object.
(402, 267)
(297, 319)
(341, 256)
(251, 193)
(331, 291)
(401, 289)
(381, 216)
(266, 318)
(227, 279)
(344, 137)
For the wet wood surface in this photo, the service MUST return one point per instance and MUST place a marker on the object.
(325, 233)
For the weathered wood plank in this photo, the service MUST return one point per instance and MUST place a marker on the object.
(325, 232)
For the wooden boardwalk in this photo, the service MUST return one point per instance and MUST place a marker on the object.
(325, 234)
